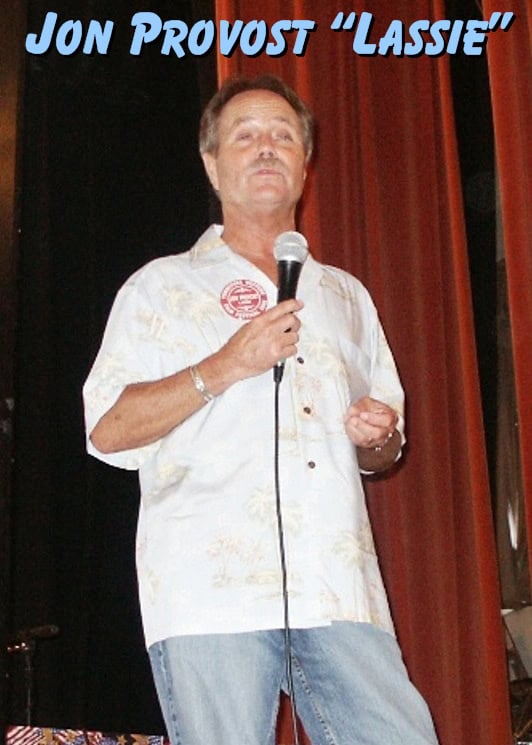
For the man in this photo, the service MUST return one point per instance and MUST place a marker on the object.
(182, 389)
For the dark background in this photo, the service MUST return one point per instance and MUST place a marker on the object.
(111, 178)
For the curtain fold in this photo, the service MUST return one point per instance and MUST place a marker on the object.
(384, 202)
(509, 64)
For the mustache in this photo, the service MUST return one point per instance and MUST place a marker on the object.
(269, 162)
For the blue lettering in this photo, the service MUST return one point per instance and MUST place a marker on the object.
(277, 47)
(417, 44)
(433, 49)
(360, 45)
(303, 27)
(173, 42)
(229, 36)
(147, 28)
(475, 34)
(454, 37)
(199, 29)
(257, 29)
(40, 46)
(68, 37)
(96, 35)
(392, 39)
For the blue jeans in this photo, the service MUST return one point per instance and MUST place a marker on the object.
(351, 687)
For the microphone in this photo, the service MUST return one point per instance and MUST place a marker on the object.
(24, 640)
(290, 250)
(38, 632)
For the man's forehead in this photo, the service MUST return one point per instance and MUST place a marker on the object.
(249, 105)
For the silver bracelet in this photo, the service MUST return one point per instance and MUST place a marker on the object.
(378, 448)
(199, 384)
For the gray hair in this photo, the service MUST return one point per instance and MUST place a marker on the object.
(208, 132)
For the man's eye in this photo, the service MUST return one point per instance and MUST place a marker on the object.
(243, 136)
(286, 136)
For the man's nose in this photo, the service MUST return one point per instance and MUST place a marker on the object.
(266, 145)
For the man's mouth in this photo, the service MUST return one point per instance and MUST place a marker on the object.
(268, 171)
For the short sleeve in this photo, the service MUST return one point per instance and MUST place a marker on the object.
(129, 353)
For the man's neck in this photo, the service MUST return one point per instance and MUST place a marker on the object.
(254, 238)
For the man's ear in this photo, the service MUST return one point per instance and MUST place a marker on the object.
(209, 162)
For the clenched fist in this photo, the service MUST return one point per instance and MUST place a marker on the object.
(262, 342)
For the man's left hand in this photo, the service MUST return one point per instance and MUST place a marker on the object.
(370, 423)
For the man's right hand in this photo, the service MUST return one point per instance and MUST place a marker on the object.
(261, 343)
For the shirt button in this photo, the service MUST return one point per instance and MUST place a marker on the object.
(300, 360)
(311, 464)
(307, 409)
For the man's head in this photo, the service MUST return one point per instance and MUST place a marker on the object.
(255, 141)
(209, 124)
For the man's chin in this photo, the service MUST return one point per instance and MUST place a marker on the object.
(275, 189)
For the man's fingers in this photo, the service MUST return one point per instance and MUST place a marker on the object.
(384, 418)
(373, 413)
(284, 308)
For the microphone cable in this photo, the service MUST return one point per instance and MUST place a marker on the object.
(284, 580)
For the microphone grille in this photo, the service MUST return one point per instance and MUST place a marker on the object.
(290, 246)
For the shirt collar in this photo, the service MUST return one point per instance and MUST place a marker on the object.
(211, 249)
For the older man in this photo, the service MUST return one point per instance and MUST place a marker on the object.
(182, 390)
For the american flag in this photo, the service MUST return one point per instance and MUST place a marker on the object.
(25, 736)
(50, 736)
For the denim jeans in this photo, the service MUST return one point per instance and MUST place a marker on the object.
(351, 687)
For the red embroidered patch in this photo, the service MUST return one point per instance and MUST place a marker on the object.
(244, 299)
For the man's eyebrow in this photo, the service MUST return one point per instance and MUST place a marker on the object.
(250, 118)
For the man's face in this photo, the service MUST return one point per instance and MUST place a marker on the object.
(260, 161)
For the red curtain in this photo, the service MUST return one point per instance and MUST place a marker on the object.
(384, 202)
(509, 56)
